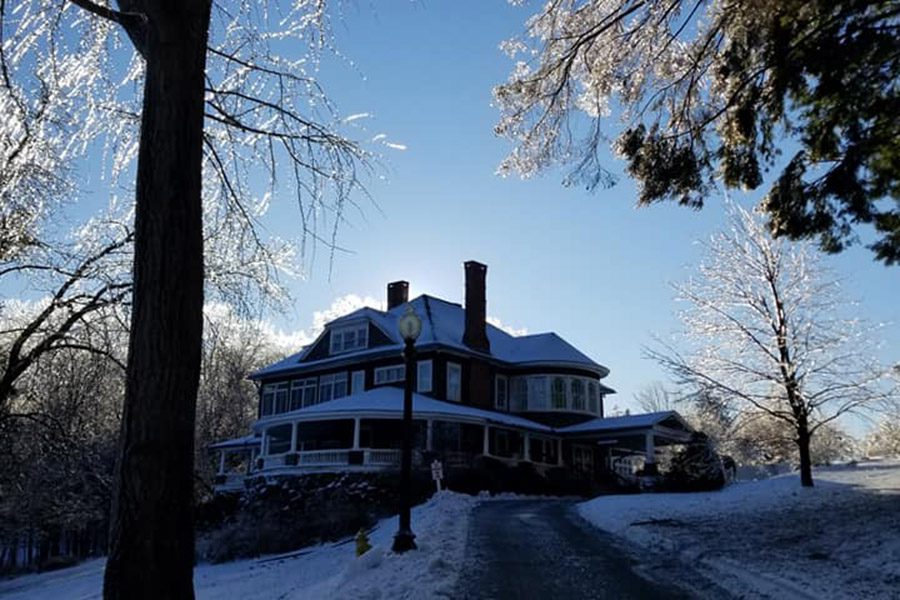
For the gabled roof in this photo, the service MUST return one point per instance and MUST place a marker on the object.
(629, 422)
(443, 324)
(388, 400)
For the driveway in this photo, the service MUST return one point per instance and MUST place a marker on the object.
(542, 549)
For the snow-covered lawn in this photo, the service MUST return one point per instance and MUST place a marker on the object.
(761, 539)
(327, 571)
(772, 538)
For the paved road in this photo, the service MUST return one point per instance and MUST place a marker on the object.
(522, 549)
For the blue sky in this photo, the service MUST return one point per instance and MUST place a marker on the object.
(589, 266)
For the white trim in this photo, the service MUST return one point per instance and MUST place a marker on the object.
(457, 397)
(356, 433)
(505, 405)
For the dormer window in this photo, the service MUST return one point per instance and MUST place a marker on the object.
(346, 339)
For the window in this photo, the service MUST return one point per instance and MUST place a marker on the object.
(303, 393)
(577, 387)
(537, 393)
(592, 397)
(558, 393)
(358, 382)
(279, 439)
(501, 393)
(423, 376)
(390, 374)
(275, 398)
(454, 382)
(267, 403)
(543, 450)
(345, 339)
(519, 393)
(332, 387)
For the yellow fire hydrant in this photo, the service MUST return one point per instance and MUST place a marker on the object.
(362, 542)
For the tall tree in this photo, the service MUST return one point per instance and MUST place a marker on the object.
(713, 89)
(253, 106)
(765, 331)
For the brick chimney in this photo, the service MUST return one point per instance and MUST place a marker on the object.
(397, 294)
(475, 335)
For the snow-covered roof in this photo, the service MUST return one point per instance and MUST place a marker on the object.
(388, 400)
(246, 441)
(443, 325)
(626, 422)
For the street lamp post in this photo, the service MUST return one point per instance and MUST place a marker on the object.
(410, 326)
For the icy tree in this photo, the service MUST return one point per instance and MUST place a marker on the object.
(226, 400)
(710, 89)
(228, 98)
(765, 332)
(884, 440)
(86, 282)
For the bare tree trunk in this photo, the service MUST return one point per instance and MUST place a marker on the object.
(803, 437)
(151, 534)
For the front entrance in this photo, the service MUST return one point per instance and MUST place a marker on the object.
(583, 460)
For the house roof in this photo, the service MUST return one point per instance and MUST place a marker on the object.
(388, 400)
(443, 324)
(641, 421)
(247, 441)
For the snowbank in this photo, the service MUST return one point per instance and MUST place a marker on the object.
(327, 571)
(773, 538)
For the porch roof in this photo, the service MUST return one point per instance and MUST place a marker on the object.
(388, 400)
(668, 419)
(247, 441)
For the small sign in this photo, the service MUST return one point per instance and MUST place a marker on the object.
(437, 472)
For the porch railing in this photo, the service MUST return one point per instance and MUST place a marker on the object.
(382, 457)
(627, 467)
(323, 457)
(333, 458)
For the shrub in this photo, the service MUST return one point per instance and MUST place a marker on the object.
(696, 467)
(288, 513)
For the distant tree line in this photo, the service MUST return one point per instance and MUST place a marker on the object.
(59, 430)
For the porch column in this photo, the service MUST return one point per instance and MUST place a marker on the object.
(559, 458)
(265, 443)
(356, 433)
(650, 453)
(294, 436)
(221, 462)
(429, 435)
(526, 453)
(487, 440)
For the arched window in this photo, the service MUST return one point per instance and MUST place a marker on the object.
(558, 393)
(578, 394)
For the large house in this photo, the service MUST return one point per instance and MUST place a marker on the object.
(480, 392)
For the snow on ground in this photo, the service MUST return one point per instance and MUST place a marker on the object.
(773, 538)
(327, 571)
